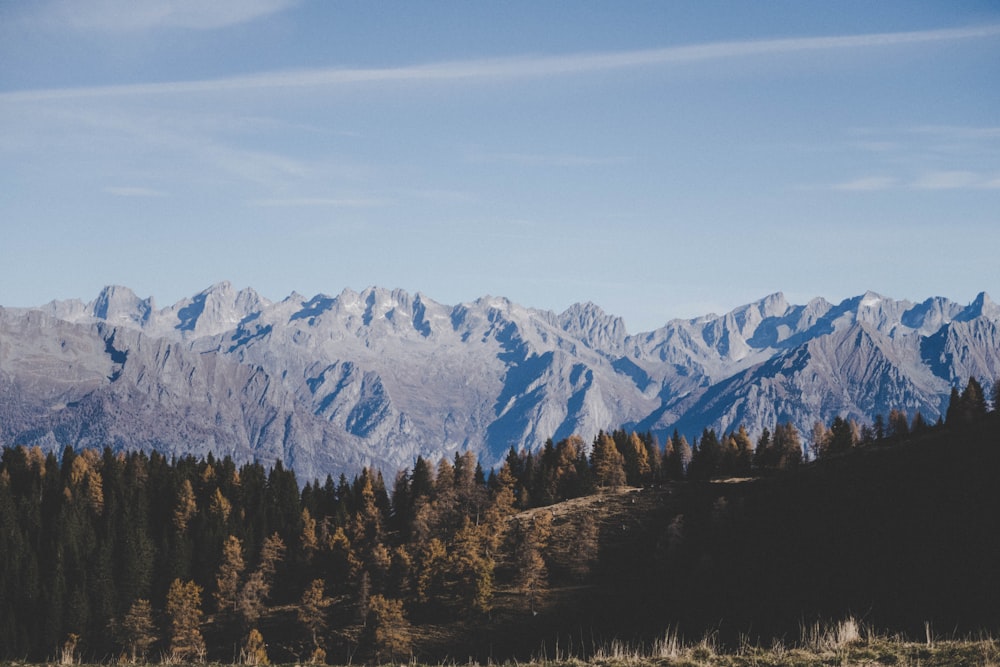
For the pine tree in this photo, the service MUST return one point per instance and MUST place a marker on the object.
(254, 649)
(138, 630)
(184, 615)
(185, 506)
(973, 401)
(388, 629)
(308, 541)
(607, 463)
(954, 412)
(744, 452)
(257, 588)
(531, 572)
(227, 582)
(899, 425)
(819, 442)
(470, 568)
(706, 456)
(431, 564)
(637, 470)
(678, 457)
(841, 438)
(787, 445)
(311, 612)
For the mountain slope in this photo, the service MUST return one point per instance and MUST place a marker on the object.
(378, 377)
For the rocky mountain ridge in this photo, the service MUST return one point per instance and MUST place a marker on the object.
(331, 383)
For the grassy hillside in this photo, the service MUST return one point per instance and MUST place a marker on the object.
(898, 537)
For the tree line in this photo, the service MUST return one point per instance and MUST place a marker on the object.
(135, 556)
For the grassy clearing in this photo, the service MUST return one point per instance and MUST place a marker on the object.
(848, 642)
(844, 643)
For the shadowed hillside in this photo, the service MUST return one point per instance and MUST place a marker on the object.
(108, 553)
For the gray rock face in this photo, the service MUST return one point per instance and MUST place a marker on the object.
(330, 384)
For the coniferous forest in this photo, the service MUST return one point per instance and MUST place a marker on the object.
(136, 557)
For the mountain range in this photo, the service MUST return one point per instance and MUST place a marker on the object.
(329, 384)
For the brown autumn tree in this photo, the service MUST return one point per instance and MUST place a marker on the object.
(607, 463)
(388, 629)
(470, 569)
(185, 506)
(531, 574)
(184, 616)
(254, 649)
(636, 460)
(257, 588)
(311, 612)
(138, 630)
(227, 581)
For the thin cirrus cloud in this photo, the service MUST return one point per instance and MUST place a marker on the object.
(869, 184)
(548, 160)
(124, 16)
(139, 192)
(934, 180)
(956, 180)
(313, 202)
(513, 67)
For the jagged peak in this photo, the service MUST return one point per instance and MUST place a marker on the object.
(584, 307)
(223, 286)
(121, 304)
(870, 299)
(982, 301)
(981, 306)
(589, 322)
(773, 305)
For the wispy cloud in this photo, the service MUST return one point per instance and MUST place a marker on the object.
(128, 191)
(311, 202)
(956, 180)
(548, 160)
(958, 132)
(868, 184)
(120, 16)
(933, 180)
(511, 68)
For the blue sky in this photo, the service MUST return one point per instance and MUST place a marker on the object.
(661, 159)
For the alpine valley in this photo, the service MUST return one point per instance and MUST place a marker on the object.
(330, 384)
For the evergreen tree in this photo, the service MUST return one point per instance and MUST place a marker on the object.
(879, 427)
(637, 468)
(706, 456)
(744, 452)
(184, 615)
(531, 576)
(954, 412)
(607, 463)
(388, 629)
(227, 582)
(819, 443)
(311, 612)
(471, 566)
(254, 650)
(787, 445)
(899, 425)
(973, 401)
(138, 630)
(678, 457)
(841, 436)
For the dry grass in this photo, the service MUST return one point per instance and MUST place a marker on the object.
(842, 643)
